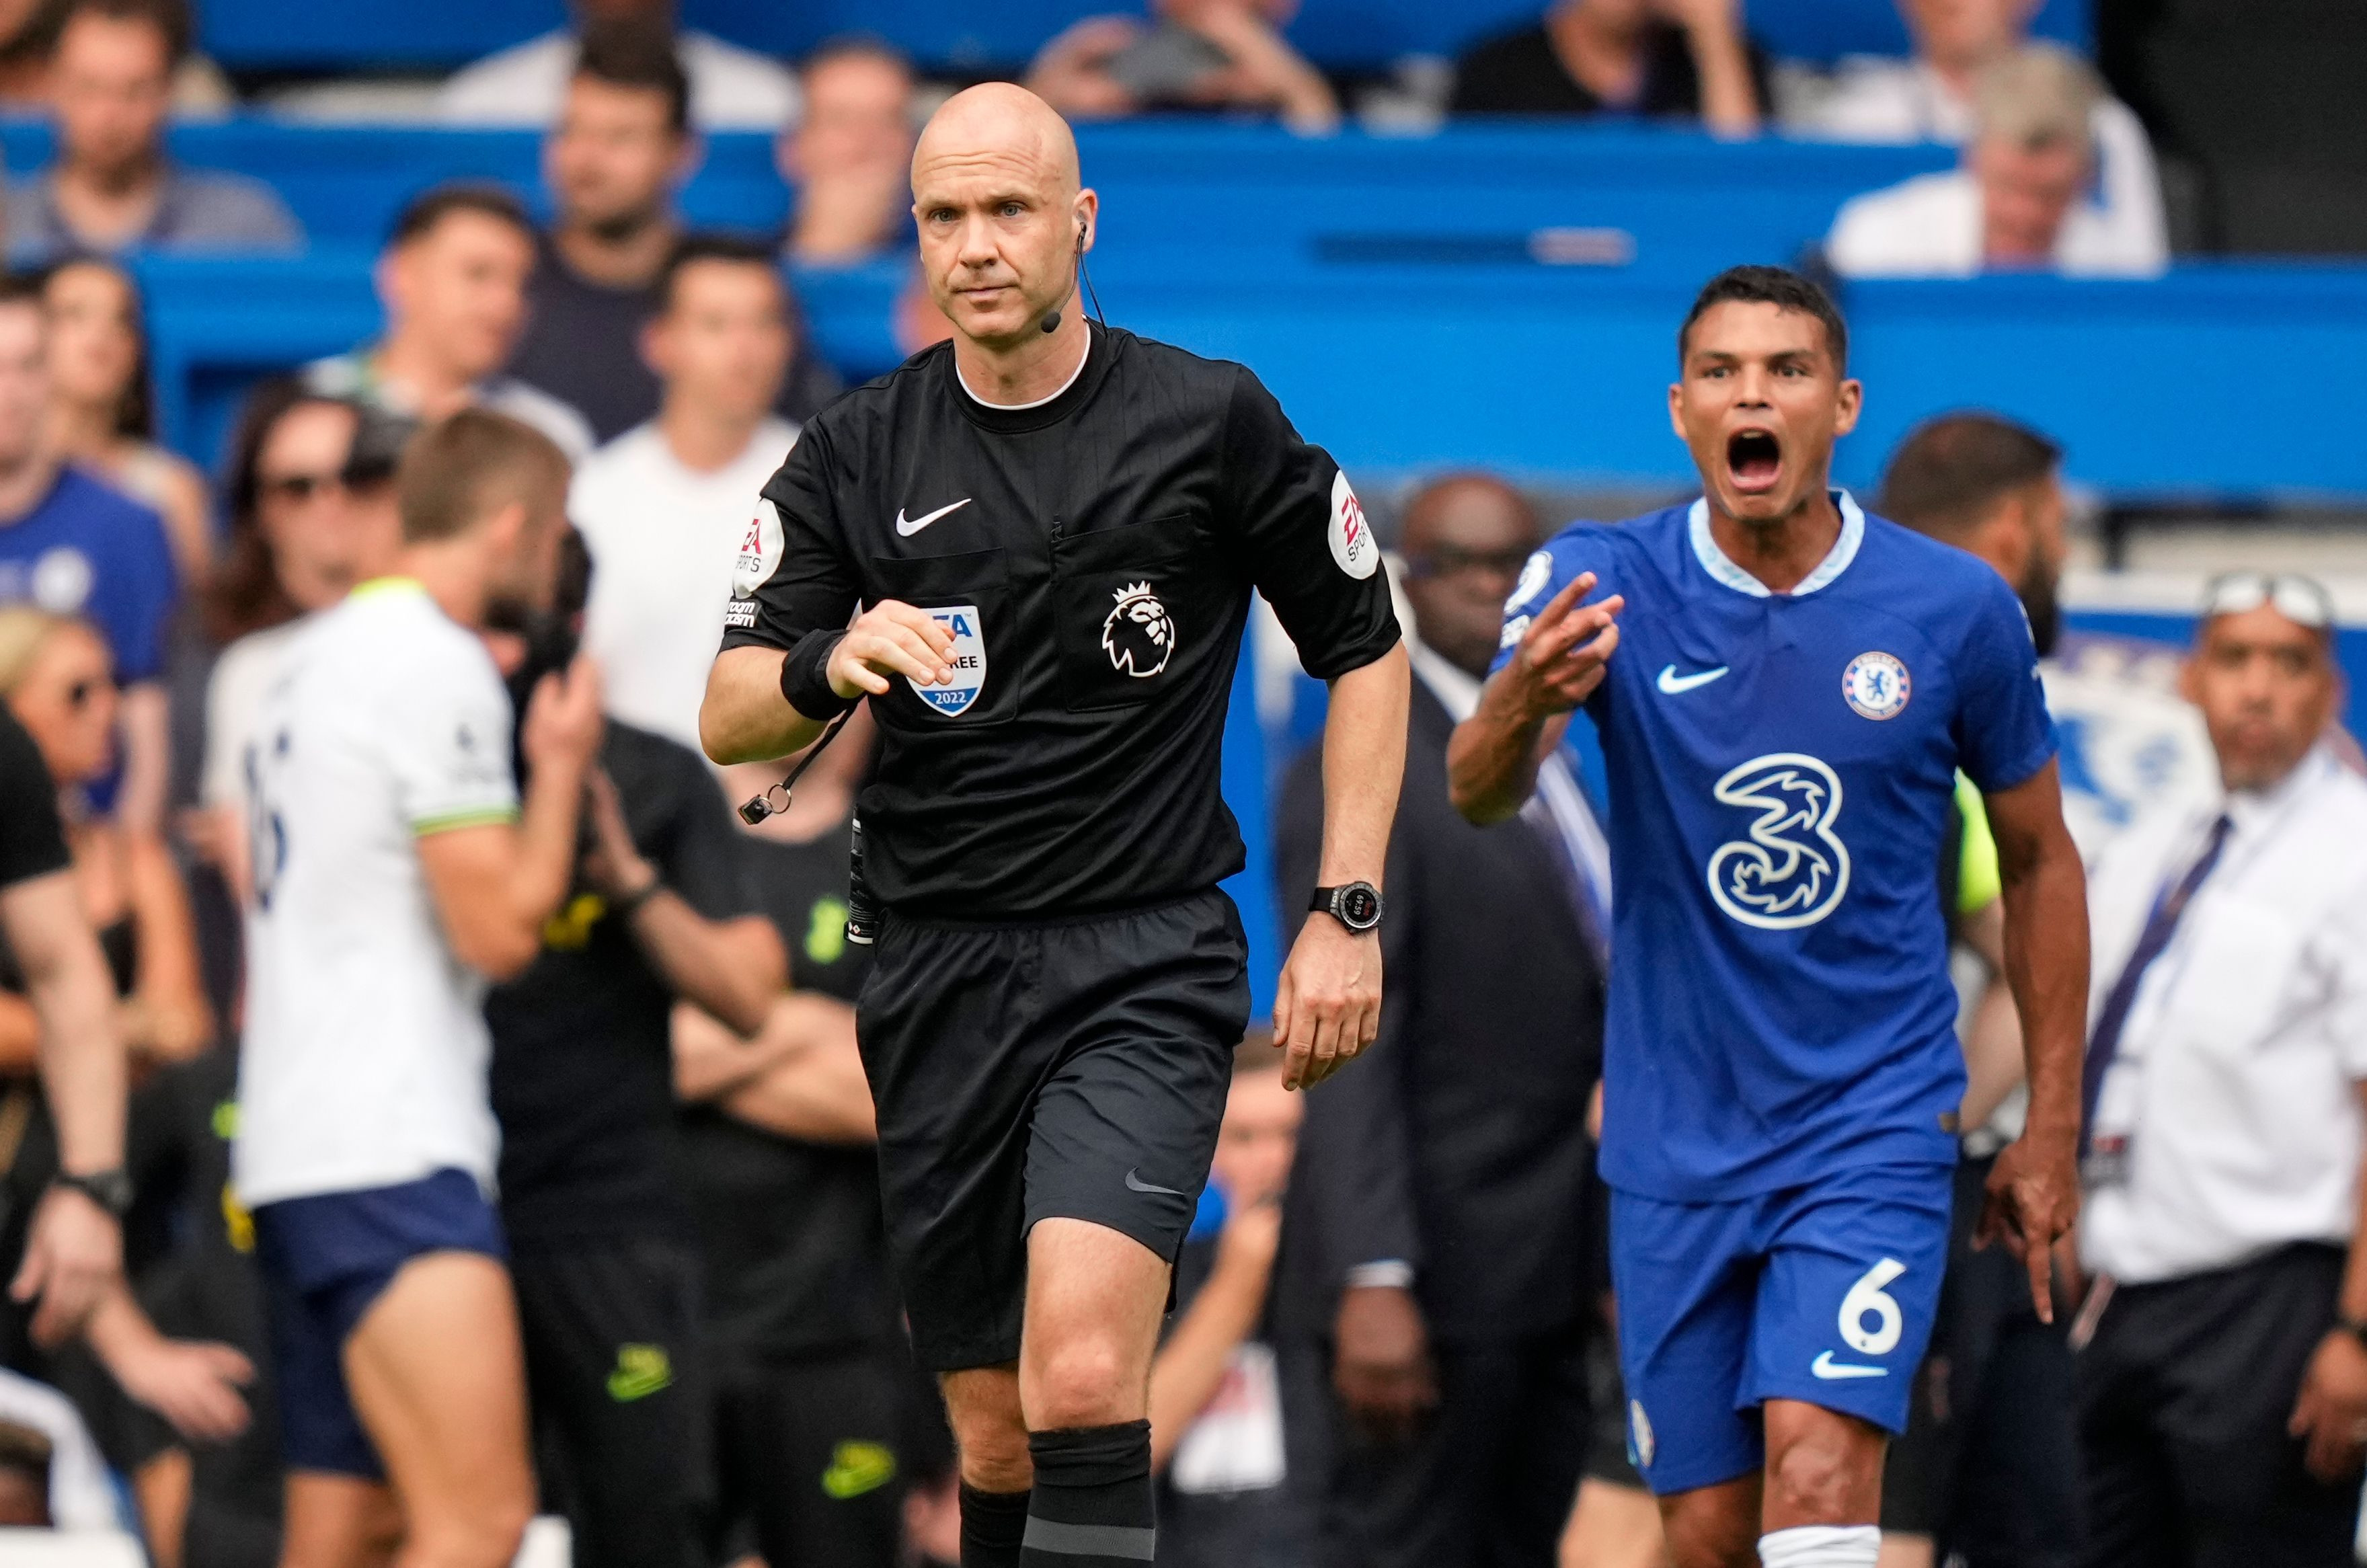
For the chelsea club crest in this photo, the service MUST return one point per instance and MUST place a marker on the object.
(1876, 685)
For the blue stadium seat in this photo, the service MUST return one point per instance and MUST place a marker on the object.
(272, 35)
(1553, 372)
(1183, 184)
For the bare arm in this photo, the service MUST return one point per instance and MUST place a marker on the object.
(74, 1253)
(1190, 1367)
(2331, 1412)
(194, 1384)
(1492, 762)
(1714, 36)
(1328, 1005)
(745, 717)
(2034, 1192)
(801, 1077)
(733, 968)
(495, 883)
(177, 1022)
(1993, 1035)
(146, 721)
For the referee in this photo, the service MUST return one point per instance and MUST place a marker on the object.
(1053, 529)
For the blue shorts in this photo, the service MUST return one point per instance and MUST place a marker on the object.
(325, 1260)
(1822, 1293)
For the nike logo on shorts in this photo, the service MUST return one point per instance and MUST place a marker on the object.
(906, 530)
(1825, 1367)
(1134, 1183)
(1677, 685)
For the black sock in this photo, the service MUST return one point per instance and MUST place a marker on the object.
(992, 1523)
(1092, 1505)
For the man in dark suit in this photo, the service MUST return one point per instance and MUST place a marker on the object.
(1435, 1255)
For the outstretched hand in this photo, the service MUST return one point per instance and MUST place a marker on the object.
(1564, 651)
(1328, 1005)
(891, 639)
(2034, 1199)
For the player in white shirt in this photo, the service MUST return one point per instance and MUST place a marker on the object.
(394, 874)
(665, 507)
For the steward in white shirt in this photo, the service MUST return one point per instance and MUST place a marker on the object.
(2224, 1392)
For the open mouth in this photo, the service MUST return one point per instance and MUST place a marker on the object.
(1754, 458)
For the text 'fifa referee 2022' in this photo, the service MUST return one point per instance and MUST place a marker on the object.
(1054, 529)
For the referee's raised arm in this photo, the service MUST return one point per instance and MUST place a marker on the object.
(772, 690)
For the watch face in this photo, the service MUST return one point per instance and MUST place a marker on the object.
(1360, 907)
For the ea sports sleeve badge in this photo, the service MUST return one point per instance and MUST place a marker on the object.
(1353, 545)
(760, 552)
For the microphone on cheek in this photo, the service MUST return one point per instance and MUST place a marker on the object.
(1051, 322)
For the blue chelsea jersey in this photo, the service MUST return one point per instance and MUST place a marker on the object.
(1781, 767)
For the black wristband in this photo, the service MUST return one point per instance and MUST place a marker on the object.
(805, 677)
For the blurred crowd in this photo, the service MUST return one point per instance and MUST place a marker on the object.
(1390, 1339)
(2055, 174)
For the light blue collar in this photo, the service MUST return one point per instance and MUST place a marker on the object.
(1722, 569)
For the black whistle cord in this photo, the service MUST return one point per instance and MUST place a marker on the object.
(756, 807)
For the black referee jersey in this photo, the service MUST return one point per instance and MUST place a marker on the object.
(1094, 557)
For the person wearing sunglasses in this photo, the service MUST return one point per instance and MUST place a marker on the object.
(2222, 1381)
(313, 513)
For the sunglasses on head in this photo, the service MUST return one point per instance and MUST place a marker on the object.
(2301, 600)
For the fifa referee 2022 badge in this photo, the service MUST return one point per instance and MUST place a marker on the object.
(1052, 528)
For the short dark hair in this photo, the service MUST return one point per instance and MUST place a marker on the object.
(733, 250)
(1776, 285)
(634, 55)
(169, 18)
(1950, 472)
(24, 288)
(431, 207)
(462, 469)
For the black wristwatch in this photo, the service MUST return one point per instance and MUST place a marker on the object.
(110, 1189)
(1355, 904)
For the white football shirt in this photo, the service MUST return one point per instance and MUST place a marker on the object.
(364, 1052)
(664, 537)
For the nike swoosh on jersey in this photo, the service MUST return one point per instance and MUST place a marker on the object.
(1677, 685)
(1825, 1367)
(906, 530)
(1134, 1183)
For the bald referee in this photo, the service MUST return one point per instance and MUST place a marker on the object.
(1053, 528)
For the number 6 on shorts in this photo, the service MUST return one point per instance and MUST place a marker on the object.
(1866, 1298)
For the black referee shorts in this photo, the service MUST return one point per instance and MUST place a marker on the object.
(1075, 1070)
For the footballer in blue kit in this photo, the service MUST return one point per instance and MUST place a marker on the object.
(1796, 686)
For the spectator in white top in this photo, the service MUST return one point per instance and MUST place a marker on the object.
(1929, 98)
(2019, 202)
(850, 159)
(2222, 1391)
(665, 506)
(453, 279)
(730, 88)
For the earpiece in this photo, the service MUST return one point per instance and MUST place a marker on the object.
(1051, 322)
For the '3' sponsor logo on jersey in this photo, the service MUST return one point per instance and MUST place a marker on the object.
(1792, 869)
